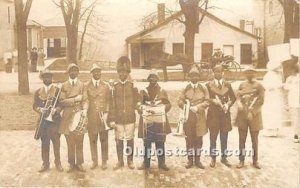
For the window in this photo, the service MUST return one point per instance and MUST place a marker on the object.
(8, 14)
(178, 48)
(228, 50)
(206, 51)
(271, 7)
(51, 42)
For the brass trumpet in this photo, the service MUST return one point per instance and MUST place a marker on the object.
(103, 119)
(183, 117)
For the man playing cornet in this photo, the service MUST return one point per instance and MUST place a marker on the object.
(71, 101)
(221, 97)
(98, 105)
(195, 126)
(44, 97)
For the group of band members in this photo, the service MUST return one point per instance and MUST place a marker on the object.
(113, 105)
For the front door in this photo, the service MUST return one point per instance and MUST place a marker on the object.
(152, 53)
(246, 54)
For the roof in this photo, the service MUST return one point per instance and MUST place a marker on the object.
(32, 23)
(178, 14)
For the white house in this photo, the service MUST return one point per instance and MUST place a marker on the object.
(7, 20)
(213, 33)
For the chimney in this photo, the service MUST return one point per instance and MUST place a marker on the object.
(242, 25)
(160, 13)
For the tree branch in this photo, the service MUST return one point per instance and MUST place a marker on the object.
(203, 13)
(27, 9)
(91, 6)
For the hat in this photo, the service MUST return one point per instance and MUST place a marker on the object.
(194, 70)
(273, 65)
(153, 72)
(123, 64)
(217, 67)
(72, 65)
(95, 67)
(45, 72)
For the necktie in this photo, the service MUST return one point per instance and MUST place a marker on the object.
(73, 83)
(219, 85)
(96, 84)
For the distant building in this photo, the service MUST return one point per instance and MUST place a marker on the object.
(167, 35)
(51, 38)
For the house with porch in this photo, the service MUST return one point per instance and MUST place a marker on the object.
(167, 35)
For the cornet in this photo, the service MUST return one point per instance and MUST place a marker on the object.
(103, 119)
(183, 117)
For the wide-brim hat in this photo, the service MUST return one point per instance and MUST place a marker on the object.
(72, 65)
(123, 64)
(153, 72)
(95, 67)
(194, 70)
(45, 73)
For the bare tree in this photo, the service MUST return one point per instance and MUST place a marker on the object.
(291, 16)
(191, 10)
(87, 13)
(22, 10)
(71, 13)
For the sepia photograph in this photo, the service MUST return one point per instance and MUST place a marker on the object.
(150, 93)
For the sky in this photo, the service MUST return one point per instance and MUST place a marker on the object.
(121, 18)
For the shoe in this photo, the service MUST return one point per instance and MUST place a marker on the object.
(189, 164)
(94, 166)
(164, 167)
(213, 163)
(199, 165)
(118, 166)
(44, 169)
(80, 168)
(142, 167)
(256, 165)
(130, 165)
(71, 168)
(296, 139)
(226, 162)
(240, 165)
(59, 168)
(104, 166)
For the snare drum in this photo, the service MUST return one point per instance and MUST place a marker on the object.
(154, 114)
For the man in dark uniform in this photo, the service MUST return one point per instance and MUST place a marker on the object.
(195, 126)
(71, 100)
(152, 131)
(122, 117)
(98, 105)
(250, 100)
(48, 130)
(221, 97)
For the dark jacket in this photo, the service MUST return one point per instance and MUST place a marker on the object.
(216, 118)
(40, 100)
(123, 103)
(97, 101)
(158, 94)
(247, 93)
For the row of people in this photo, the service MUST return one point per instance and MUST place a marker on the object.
(115, 105)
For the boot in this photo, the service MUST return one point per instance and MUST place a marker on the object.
(130, 144)
(120, 147)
